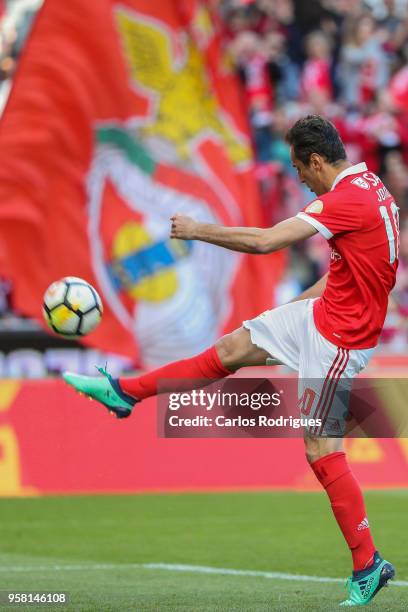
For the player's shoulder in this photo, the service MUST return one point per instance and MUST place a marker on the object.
(351, 192)
(365, 189)
(360, 184)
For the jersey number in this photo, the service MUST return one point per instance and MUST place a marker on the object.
(393, 244)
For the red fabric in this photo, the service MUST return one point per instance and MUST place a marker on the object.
(368, 80)
(207, 365)
(81, 87)
(399, 88)
(316, 78)
(257, 86)
(358, 218)
(348, 507)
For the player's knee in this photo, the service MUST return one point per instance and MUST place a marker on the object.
(311, 451)
(317, 447)
(229, 349)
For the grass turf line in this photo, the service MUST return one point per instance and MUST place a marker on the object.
(278, 532)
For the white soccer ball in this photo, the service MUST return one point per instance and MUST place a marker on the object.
(72, 307)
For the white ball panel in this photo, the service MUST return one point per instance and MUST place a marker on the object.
(80, 297)
(55, 294)
(90, 321)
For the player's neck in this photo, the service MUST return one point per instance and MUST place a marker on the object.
(333, 172)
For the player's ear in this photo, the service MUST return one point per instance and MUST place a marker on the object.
(316, 162)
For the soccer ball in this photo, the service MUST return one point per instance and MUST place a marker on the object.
(72, 307)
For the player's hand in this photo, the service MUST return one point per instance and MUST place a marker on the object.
(182, 227)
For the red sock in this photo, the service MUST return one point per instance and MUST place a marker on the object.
(207, 365)
(347, 502)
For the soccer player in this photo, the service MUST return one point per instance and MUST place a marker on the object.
(328, 333)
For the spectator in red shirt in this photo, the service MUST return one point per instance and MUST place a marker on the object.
(316, 84)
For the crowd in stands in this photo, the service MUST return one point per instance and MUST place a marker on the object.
(346, 60)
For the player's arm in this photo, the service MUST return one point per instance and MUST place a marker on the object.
(243, 239)
(314, 291)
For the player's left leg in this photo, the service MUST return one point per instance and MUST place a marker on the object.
(370, 571)
(273, 333)
(230, 353)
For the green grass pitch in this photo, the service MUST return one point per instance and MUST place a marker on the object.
(97, 548)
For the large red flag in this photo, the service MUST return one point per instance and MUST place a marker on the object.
(121, 114)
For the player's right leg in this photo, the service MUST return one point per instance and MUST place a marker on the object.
(230, 353)
(370, 571)
(326, 373)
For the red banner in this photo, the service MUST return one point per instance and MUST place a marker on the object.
(121, 114)
(54, 441)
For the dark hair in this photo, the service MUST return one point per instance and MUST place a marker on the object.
(313, 134)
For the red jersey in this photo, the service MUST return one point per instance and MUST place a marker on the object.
(316, 77)
(359, 218)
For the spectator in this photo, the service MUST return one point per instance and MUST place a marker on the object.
(259, 78)
(393, 27)
(381, 130)
(364, 64)
(316, 85)
(282, 71)
(396, 179)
